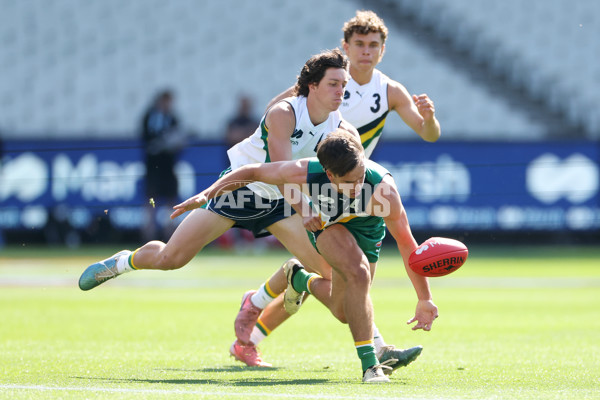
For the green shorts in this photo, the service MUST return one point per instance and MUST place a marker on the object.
(369, 238)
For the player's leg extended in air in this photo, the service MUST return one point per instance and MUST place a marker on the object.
(197, 230)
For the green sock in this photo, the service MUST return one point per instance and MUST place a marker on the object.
(366, 353)
(300, 279)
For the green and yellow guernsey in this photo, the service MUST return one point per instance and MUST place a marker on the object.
(337, 208)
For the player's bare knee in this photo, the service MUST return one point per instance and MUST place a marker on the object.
(168, 261)
(358, 274)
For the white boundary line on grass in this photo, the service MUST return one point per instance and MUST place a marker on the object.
(190, 392)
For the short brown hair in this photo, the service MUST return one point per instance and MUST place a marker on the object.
(314, 69)
(340, 152)
(363, 23)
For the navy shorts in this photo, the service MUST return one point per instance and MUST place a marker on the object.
(250, 211)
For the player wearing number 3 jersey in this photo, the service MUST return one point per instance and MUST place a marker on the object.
(368, 98)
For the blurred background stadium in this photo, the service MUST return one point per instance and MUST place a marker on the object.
(516, 86)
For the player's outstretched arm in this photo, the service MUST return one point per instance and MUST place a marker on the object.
(418, 112)
(277, 173)
(388, 205)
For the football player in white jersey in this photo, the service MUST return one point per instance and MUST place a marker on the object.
(370, 94)
(369, 97)
(291, 129)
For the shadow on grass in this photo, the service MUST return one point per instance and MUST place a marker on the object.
(227, 382)
(228, 368)
(164, 381)
(279, 382)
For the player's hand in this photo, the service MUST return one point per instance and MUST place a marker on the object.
(192, 203)
(312, 222)
(425, 106)
(425, 314)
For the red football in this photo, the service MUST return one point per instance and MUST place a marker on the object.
(438, 256)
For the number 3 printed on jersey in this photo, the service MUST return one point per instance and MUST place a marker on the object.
(377, 105)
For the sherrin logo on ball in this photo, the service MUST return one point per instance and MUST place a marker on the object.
(438, 256)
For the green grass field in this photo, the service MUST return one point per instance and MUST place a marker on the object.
(514, 324)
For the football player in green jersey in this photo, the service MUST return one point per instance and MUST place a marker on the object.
(355, 200)
(368, 98)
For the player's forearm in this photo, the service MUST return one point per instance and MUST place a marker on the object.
(430, 130)
(228, 183)
(406, 243)
(420, 283)
(232, 181)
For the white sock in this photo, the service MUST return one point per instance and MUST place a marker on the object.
(257, 336)
(262, 298)
(123, 264)
(378, 340)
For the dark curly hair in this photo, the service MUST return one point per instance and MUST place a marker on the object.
(314, 69)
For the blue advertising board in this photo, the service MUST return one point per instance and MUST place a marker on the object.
(444, 186)
(80, 180)
(497, 186)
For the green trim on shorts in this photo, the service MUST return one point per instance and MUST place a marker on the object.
(369, 239)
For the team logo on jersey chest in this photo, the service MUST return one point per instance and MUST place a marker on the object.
(297, 134)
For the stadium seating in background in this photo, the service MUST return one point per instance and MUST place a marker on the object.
(85, 69)
(546, 47)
